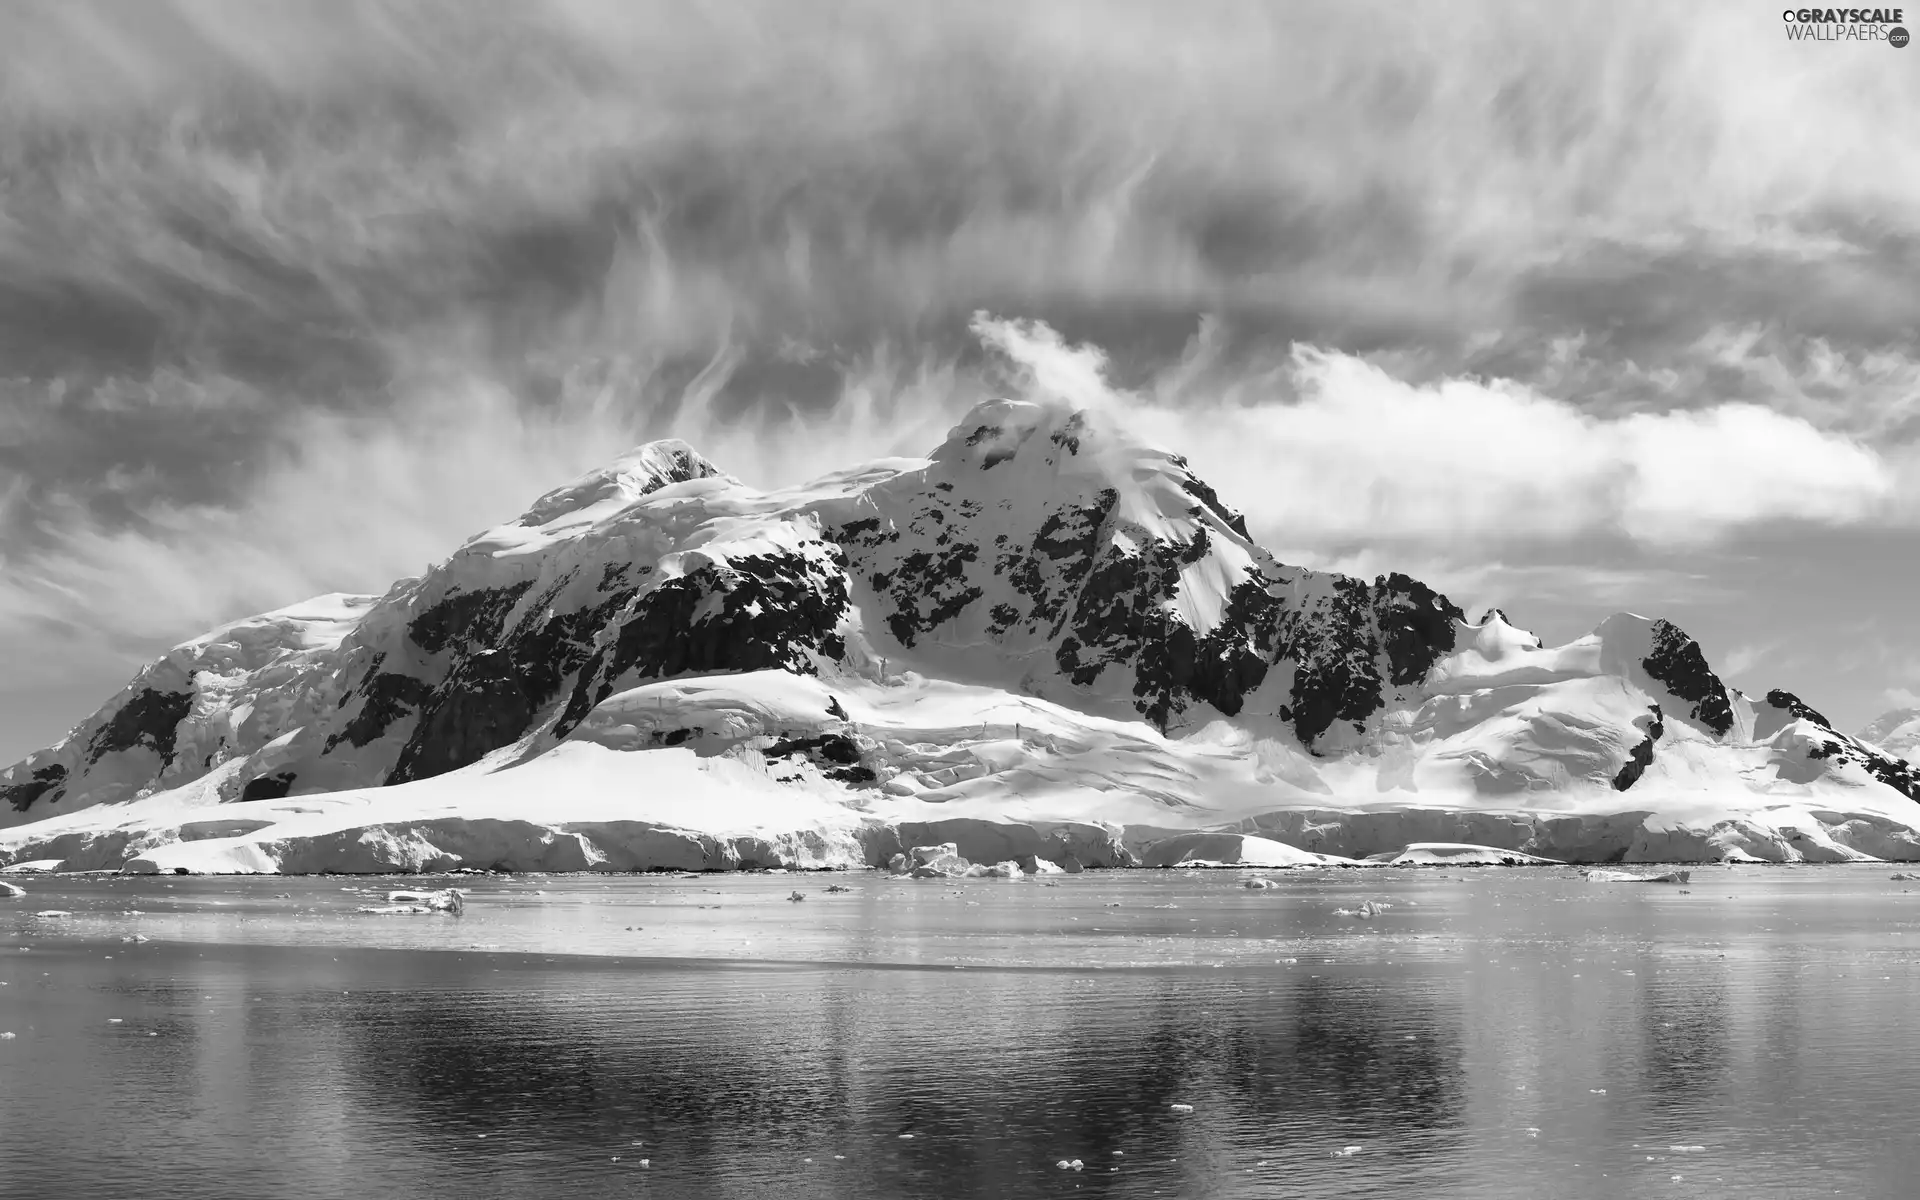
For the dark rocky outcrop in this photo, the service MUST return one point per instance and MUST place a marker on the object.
(268, 787)
(1793, 705)
(1641, 756)
(19, 796)
(1679, 665)
(837, 755)
(469, 617)
(480, 708)
(150, 719)
(1416, 626)
(384, 698)
(1896, 773)
(755, 613)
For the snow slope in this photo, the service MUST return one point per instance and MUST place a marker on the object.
(1047, 639)
(1896, 732)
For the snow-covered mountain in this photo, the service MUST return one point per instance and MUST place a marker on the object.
(1896, 732)
(1047, 638)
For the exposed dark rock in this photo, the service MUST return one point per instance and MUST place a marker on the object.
(267, 787)
(1896, 773)
(386, 698)
(1636, 765)
(469, 619)
(20, 796)
(1219, 668)
(480, 708)
(1679, 665)
(150, 719)
(548, 651)
(1792, 703)
(774, 611)
(829, 747)
(836, 752)
(1067, 437)
(1049, 572)
(1207, 496)
(1641, 757)
(1335, 677)
(1417, 626)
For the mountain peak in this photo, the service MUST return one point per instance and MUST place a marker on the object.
(1025, 449)
(643, 469)
(880, 624)
(1897, 732)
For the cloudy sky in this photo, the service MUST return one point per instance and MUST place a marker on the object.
(1563, 307)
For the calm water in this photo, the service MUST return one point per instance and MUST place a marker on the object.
(1494, 1033)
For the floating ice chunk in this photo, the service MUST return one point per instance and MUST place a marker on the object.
(834, 887)
(10, 890)
(1346, 1152)
(1687, 1149)
(1233, 850)
(7, 1036)
(999, 870)
(1070, 1164)
(1905, 877)
(1461, 854)
(1600, 876)
(931, 862)
(407, 903)
(1181, 1108)
(53, 912)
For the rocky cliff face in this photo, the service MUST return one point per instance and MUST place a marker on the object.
(1038, 551)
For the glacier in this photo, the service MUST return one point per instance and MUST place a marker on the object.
(1046, 642)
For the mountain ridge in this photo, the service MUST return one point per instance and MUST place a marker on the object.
(1040, 556)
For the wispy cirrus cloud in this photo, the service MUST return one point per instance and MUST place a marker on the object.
(293, 297)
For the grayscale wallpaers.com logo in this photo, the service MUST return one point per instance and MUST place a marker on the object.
(1846, 25)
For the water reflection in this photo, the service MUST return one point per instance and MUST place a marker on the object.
(1514, 1035)
(1688, 1023)
(727, 1069)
